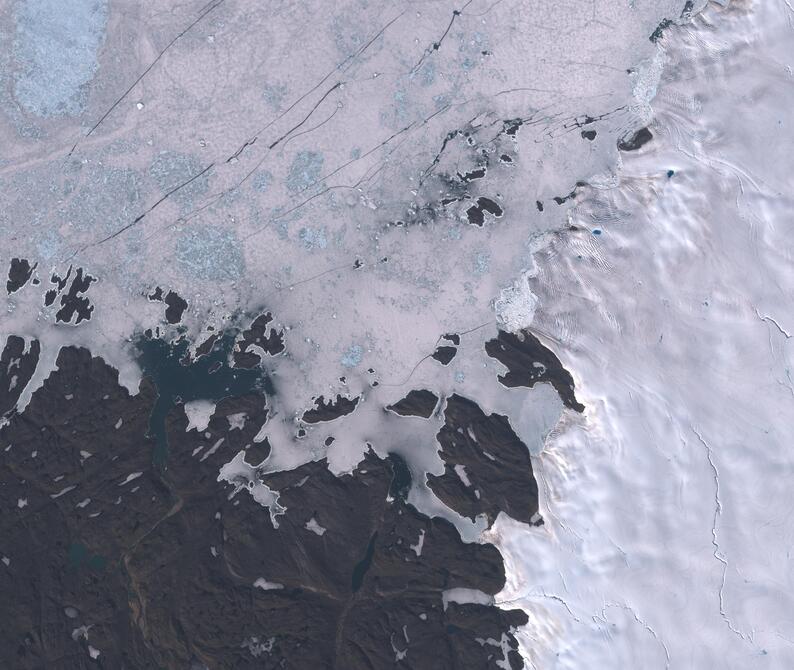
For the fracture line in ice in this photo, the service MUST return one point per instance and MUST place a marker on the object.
(718, 553)
(639, 620)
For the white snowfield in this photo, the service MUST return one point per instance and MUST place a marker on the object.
(668, 505)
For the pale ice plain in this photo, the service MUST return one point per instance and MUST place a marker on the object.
(249, 168)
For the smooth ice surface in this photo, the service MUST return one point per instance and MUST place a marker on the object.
(460, 595)
(668, 532)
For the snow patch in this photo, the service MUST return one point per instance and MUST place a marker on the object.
(315, 527)
(241, 475)
(262, 583)
(199, 413)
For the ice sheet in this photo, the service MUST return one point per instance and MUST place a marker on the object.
(669, 503)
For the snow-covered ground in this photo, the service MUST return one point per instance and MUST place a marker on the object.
(668, 532)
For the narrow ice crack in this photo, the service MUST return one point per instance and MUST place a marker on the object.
(547, 490)
(773, 321)
(547, 596)
(718, 553)
(207, 9)
(437, 44)
(642, 622)
(558, 599)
